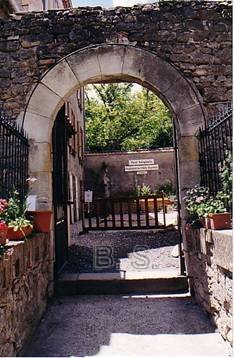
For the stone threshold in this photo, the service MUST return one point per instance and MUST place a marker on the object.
(122, 275)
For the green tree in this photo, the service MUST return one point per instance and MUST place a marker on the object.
(118, 118)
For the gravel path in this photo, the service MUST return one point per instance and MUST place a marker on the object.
(118, 326)
(128, 250)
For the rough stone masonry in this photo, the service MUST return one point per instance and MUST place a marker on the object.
(24, 289)
(193, 36)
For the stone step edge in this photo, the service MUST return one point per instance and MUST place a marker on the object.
(107, 276)
(177, 284)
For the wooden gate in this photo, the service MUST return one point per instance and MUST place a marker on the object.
(145, 212)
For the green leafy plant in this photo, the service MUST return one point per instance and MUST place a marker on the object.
(19, 223)
(195, 197)
(195, 202)
(212, 206)
(199, 204)
(167, 188)
(119, 118)
(13, 212)
(143, 190)
(225, 174)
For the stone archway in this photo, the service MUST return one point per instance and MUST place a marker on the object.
(111, 62)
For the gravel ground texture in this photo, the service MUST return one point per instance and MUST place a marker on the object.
(125, 251)
(126, 326)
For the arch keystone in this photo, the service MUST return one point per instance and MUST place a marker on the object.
(114, 67)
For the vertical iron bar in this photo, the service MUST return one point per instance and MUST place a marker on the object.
(105, 213)
(113, 213)
(8, 161)
(90, 219)
(129, 201)
(96, 208)
(146, 212)
(15, 161)
(213, 161)
(207, 137)
(155, 212)
(202, 159)
(121, 213)
(163, 205)
(138, 213)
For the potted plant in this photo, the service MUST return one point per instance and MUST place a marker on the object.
(41, 220)
(195, 202)
(217, 217)
(144, 190)
(3, 225)
(3, 232)
(19, 228)
(13, 213)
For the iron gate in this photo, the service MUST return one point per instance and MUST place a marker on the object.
(14, 150)
(144, 212)
(215, 142)
(60, 184)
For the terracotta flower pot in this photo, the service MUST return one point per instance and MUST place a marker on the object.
(41, 220)
(220, 221)
(19, 234)
(3, 233)
(207, 223)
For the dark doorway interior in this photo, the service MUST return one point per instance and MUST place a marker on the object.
(60, 195)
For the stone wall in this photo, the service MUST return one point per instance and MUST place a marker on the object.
(210, 271)
(125, 182)
(24, 289)
(194, 36)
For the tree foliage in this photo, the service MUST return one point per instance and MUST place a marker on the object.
(118, 118)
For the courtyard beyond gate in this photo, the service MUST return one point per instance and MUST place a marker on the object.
(145, 212)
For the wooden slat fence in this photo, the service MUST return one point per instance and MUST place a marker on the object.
(126, 213)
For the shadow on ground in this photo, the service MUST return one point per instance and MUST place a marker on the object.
(106, 325)
(155, 245)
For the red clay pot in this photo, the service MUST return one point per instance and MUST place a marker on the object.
(3, 233)
(41, 220)
(220, 221)
(207, 223)
(19, 234)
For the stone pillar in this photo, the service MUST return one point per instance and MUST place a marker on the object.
(189, 175)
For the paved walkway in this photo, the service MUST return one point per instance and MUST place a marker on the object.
(126, 251)
(119, 326)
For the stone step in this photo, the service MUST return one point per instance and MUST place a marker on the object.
(108, 283)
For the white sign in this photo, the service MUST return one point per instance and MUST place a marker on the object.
(142, 172)
(31, 202)
(137, 168)
(140, 161)
(88, 196)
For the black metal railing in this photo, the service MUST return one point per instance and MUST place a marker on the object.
(126, 213)
(14, 150)
(215, 140)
